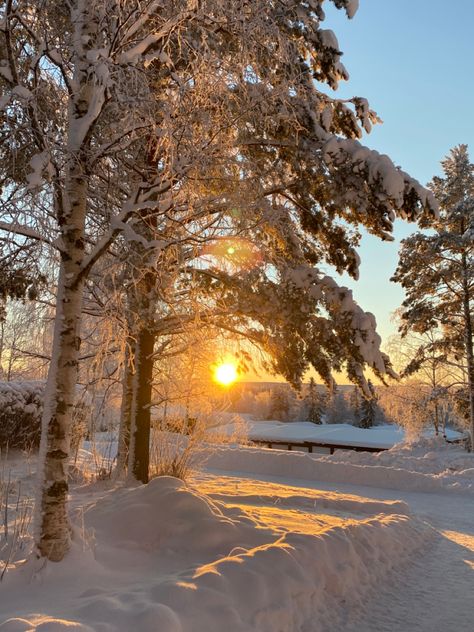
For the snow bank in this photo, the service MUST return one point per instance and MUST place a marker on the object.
(164, 557)
(426, 455)
(163, 514)
(373, 470)
(252, 492)
(43, 624)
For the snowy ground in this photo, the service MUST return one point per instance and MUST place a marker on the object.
(433, 593)
(266, 541)
(429, 466)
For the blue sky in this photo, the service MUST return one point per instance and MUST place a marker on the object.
(413, 60)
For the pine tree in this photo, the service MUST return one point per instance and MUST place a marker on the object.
(313, 403)
(105, 130)
(279, 404)
(368, 408)
(437, 272)
(355, 404)
(337, 411)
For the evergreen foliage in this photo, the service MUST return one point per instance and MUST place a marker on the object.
(314, 404)
(21, 405)
(21, 408)
(279, 408)
(337, 409)
(20, 277)
(368, 408)
(436, 270)
(355, 405)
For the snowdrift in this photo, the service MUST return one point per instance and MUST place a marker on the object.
(165, 558)
(431, 465)
(426, 455)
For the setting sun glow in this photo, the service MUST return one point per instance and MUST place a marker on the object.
(225, 373)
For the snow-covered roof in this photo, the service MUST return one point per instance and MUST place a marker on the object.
(383, 437)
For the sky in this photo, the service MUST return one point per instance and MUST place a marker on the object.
(413, 60)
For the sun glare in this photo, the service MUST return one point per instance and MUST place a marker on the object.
(225, 373)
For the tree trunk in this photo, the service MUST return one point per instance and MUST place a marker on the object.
(468, 347)
(10, 365)
(2, 338)
(141, 408)
(141, 321)
(436, 420)
(436, 410)
(52, 524)
(126, 410)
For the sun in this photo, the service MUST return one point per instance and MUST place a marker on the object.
(225, 373)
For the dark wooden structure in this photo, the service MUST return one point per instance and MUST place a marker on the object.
(309, 445)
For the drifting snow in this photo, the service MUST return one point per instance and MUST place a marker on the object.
(427, 472)
(248, 555)
(166, 557)
(426, 455)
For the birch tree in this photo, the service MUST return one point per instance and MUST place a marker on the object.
(75, 110)
(91, 149)
(423, 357)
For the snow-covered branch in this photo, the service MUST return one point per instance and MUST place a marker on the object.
(25, 231)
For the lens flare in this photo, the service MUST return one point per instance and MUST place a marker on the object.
(234, 254)
(225, 373)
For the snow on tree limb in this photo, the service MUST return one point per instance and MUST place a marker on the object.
(136, 53)
(26, 231)
(396, 185)
(130, 129)
(436, 270)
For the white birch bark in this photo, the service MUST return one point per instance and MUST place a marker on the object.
(53, 531)
(52, 524)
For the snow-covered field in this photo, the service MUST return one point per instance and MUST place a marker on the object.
(263, 541)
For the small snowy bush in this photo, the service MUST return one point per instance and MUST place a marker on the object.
(21, 406)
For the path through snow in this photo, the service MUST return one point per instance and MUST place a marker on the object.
(434, 593)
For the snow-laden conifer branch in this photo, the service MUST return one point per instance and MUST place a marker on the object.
(437, 272)
(157, 126)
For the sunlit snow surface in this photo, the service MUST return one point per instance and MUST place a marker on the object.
(265, 551)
